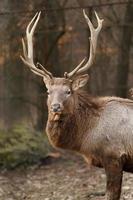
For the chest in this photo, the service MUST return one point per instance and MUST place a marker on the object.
(63, 134)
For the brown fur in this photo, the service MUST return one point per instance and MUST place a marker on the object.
(68, 131)
(71, 131)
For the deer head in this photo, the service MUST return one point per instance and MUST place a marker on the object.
(61, 90)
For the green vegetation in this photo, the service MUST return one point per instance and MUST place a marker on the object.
(21, 146)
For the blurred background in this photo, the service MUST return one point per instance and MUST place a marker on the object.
(60, 43)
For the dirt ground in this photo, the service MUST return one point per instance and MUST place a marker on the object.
(65, 178)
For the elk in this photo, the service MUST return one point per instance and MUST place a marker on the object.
(99, 128)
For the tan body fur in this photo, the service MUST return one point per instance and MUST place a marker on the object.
(101, 129)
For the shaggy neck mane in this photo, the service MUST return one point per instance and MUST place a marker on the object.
(68, 131)
(86, 104)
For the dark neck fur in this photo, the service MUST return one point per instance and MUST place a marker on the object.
(85, 104)
(67, 133)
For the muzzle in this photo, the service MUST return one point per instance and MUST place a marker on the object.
(56, 108)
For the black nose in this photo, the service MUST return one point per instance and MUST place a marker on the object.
(55, 107)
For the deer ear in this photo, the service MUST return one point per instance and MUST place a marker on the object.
(79, 81)
(46, 82)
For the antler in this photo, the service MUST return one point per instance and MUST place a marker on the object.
(28, 52)
(93, 43)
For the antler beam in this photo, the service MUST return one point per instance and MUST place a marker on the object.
(93, 44)
(28, 52)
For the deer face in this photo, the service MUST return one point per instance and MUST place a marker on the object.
(61, 93)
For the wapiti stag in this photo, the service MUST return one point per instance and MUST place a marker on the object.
(101, 128)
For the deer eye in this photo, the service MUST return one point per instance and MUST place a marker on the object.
(48, 92)
(68, 92)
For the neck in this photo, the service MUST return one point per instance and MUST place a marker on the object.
(69, 130)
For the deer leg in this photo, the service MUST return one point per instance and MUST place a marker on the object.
(113, 169)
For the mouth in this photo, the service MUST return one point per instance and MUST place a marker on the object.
(56, 116)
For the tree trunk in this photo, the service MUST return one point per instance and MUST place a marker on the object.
(124, 56)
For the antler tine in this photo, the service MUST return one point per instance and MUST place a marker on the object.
(93, 43)
(34, 26)
(28, 52)
(33, 69)
(24, 48)
(46, 71)
(67, 75)
(29, 34)
(25, 60)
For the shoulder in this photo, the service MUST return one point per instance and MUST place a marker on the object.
(116, 108)
(109, 100)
